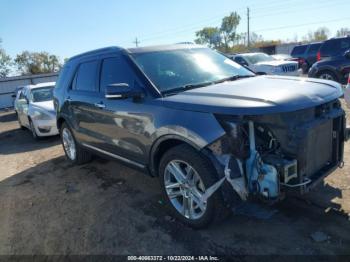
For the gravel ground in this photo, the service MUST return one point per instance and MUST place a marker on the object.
(50, 207)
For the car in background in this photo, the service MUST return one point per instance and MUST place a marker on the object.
(310, 56)
(335, 68)
(261, 63)
(282, 57)
(334, 47)
(347, 93)
(35, 110)
(298, 54)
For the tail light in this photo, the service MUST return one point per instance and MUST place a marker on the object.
(318, 56)
(349, 80)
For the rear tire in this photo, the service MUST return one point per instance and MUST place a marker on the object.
(176, 195)
(75, 153)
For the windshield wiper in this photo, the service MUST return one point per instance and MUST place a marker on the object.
(185, 87)
(232, 78)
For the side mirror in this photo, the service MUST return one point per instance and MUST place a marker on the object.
(121, 91)
(347, 54)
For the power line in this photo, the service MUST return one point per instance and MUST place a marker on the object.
(300, 25)
(199, 25)
(282, 12)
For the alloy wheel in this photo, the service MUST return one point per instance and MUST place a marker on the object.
(69, 144)
(185, 189)
(326, 76)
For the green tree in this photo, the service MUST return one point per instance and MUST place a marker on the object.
(5, 63)
(228, 29)
(320, 34)
(209, 36)
(37, 62)
(343, 32)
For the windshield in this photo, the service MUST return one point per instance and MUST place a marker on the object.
(257, 58)
(170, 70)
(42, 94)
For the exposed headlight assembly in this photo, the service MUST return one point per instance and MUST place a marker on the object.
(236, 140)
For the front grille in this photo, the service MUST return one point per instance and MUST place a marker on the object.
(289, 68)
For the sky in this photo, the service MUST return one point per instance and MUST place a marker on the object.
(69, 27)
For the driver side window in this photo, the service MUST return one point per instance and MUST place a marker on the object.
(115, 70)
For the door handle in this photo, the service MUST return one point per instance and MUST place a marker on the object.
(100, 105)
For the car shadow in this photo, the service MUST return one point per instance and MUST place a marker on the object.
(20, 140)
(8, 116)
(106, 208)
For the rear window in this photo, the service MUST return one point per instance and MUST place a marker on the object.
(313, 49)
(335, 47)
(85, 79)
(299, 50)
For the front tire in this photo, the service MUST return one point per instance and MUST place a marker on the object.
(74, 152)
(328, 75)
(32, 130)
(184, 176)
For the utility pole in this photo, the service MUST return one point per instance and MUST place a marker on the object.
(136, 42)
(248, 20)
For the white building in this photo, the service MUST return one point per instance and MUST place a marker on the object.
(8, 85)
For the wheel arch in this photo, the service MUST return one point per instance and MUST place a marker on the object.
(163, 144)
(60, 121)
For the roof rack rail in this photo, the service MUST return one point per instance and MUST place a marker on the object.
(97, 51)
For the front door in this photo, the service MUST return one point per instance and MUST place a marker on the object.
(124, 124)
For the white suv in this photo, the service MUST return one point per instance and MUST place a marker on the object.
(261, 63)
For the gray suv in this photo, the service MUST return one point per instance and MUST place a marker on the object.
(214, 133)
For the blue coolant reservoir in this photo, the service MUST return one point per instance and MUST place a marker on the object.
(269, 182)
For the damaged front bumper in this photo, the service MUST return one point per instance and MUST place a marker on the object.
(306, 153)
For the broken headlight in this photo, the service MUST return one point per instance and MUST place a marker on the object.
(236, 140)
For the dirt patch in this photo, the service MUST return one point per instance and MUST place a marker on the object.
(51, 207)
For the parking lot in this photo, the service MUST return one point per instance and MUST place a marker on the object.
(50, 207)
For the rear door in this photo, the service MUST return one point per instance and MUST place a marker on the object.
(84, 98)
(312, 53)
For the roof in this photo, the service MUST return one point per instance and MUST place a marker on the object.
(110, 49)
(97, 52)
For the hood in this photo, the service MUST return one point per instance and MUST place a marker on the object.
(46, 105)
(256, 96)
(277, 63)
